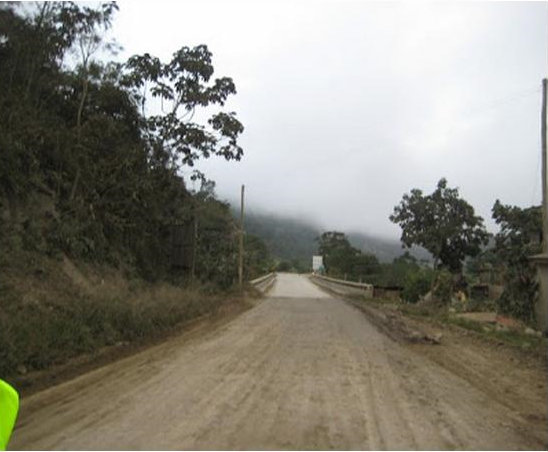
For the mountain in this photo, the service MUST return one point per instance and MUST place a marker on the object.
(385, 249)
(290, 238)
(286, 238)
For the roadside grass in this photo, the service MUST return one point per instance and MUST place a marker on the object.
(49, 315)
(439, 315)
(514, 338)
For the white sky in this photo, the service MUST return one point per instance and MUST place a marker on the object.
(349, 104)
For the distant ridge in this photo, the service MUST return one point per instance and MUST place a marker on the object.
(385, 249)
(290, 238)
(286, 238)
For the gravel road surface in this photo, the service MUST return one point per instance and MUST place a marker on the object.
(300, 370)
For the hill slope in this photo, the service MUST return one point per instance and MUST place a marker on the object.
(286, 238)
(290, 238)
(385, 249)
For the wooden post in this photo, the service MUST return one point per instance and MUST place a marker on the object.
(241, 256)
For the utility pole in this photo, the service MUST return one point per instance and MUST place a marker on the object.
(241, 256)
(544, 172)
(541, 260)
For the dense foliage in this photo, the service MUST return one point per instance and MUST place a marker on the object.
(66, 322)
(289, 241)
(396, 272)
(87, 168)
(520, 237)
(417, 284)
(441, 222)
(343, 260)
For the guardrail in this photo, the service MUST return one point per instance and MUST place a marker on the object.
(264, 283)
(343, 287)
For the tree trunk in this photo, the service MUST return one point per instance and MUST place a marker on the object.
(85, 86)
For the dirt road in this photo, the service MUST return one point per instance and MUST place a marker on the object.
(301, 370)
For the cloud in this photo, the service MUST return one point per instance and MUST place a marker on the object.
(347, 105)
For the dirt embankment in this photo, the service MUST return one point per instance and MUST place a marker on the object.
(301, 370)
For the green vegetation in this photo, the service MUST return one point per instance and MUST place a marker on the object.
(441, 222)
(446, 226)
(386, 250)
(519, 238)
(54, 310)
(396, 272)
(88, 169)
(342, 260)
(417, 284)
(514, 338)
(257, 259)
(90, 174)
(295, 241)
(291, 242)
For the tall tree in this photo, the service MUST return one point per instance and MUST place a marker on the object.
(342, 259)
(441, 222)
(520, 236)
(75, 137)
(182, 86)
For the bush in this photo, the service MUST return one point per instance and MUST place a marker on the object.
(443, 287)
(417, 284)
(518, 299)
(519, 238)
(39, 333)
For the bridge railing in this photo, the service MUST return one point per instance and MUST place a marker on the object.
(264, 283)
(343, 287)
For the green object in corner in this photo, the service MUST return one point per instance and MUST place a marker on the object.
(9, 406)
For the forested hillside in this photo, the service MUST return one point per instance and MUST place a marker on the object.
(286, 238)
(386, 250)
(290, 239)
(99, 235)
(88, 168)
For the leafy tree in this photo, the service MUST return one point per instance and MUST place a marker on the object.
(217, 250)
(441, 222)
(416, 284)
(396, 273)
(181, 86)
(82, 167)
(520, 237)
(485, 267)
(342, 259)
(32, 50)
(337, 253)
(257, 261)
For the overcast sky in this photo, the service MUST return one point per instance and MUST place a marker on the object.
(347, 105)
